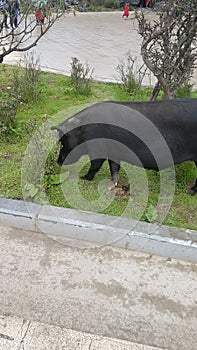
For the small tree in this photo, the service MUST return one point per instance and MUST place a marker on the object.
(27, 33)
(169, 44)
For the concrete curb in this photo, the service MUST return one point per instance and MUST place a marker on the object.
(100, 229)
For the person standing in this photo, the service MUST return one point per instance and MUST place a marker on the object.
(41, 11)
(15, 10)
(142, 3)
(126, 11)
(5, 9)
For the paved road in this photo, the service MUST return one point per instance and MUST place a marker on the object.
(101, 39)
(105, 291)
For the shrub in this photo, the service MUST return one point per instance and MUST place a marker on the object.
(81, 77)
(8, 108)
(96, 5)
(110, 4)
(38, 163)
(25, 81)
(131, 79)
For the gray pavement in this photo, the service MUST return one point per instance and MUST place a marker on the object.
(101, 39)
(104, 291)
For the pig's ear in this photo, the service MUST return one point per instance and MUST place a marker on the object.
(60, 128)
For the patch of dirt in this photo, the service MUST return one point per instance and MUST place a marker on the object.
(121, 192)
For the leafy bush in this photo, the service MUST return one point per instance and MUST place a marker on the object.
(97, 5)
(8, 109)
(24, 87)
(110, 4)
(39, 163)
(81, 77)
(25, 81)
(130, 78)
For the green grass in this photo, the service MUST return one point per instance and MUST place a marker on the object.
(56, 95)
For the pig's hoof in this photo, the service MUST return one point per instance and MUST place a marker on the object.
(113, 185)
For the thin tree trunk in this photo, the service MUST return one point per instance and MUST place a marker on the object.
(155, 92)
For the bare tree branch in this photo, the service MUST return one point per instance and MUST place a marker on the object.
(20, 31)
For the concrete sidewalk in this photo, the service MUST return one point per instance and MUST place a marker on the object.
(103, 291)
(19, 334)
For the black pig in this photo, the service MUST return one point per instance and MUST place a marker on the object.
(153, 135)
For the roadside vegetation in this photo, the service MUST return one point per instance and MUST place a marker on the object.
(28, 98)
(103, 5)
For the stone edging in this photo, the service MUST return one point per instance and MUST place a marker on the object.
(100, 229)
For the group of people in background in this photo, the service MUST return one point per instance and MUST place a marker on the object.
(11, 10)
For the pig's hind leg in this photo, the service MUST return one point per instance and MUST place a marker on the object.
(114, 169)
(94, 168)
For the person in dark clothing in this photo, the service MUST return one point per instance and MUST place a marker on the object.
(5, 10)
(15, 10)
(142, 3)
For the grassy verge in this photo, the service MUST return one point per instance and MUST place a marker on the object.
(56, 95)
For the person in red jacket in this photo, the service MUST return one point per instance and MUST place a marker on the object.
(126, 10)
(41, 12)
